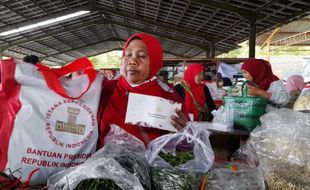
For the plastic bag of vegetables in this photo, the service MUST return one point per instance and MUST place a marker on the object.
(281, 148)
(234, 176)
(180, 160)
(120, 164)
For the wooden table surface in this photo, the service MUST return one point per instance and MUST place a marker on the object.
(225, 143)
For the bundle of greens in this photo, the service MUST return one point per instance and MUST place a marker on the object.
(179, 159)
(91, 184)
(113, 167)
(171, 179)
(174, 179)
(136, 165)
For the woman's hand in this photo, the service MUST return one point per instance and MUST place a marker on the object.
(253, 91)
(179, 121)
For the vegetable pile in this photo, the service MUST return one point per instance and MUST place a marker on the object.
(174, 179)
(91, 184)
(179, 159)
(113, 167)
(167, 179)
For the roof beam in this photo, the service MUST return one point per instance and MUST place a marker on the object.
(56, 39)
(225, 6)
(282, 33)
(113, 49)
(152, 22)
(198, 53)
(9, 8)
(21, 54)
(92, 3)
(189, 49)
(301, 13)
(175, 54)
(229, 28)
(56, 32)
(172, 38)
(268, 40)
(241, 12)
(38, 5)
(291, 40)
(182, 14)
(206, 21)
(157, 11)
(58, 62)
(80, 37)
(32, 21)
(27, 50)
(118, 48)
(77, 48)
(114, 4)
(135, 7)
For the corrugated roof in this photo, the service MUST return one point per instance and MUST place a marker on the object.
(295, 28)
(185, 28)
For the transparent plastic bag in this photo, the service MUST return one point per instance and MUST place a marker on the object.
(281, 148)
(302, 103)
(223, 118)
(192, 139)
(234, 176)
(197, 139)
(120, 160)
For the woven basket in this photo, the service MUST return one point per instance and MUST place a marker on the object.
(247, 109)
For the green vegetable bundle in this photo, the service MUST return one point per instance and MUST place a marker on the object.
(173, 179)
(93, 184)
(179, 159)
(114, 167)
(136, 164)
(169, 179)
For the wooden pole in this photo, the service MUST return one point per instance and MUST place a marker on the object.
(252, 39)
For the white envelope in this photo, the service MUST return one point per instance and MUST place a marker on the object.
(150, 111)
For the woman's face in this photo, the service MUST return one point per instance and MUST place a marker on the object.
(247, 75)
(136, 62)
(199, 78)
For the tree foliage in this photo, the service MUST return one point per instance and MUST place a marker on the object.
(111, 60)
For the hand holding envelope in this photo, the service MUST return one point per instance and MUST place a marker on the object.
(151, 111)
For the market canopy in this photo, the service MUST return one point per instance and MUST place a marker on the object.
(188, 29)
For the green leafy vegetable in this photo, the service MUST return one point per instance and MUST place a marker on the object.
(167, 179)
(91, 184)
(179, 159)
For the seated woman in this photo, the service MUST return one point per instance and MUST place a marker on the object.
(141, 60)
(198, 100)
(294, 85)
(269, 86)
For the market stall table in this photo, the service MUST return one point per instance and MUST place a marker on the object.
(225, 143)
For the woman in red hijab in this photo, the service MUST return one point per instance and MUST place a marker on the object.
(269, 86)
(198, 100)
(141, 60)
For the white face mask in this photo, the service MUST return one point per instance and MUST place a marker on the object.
(135, 85)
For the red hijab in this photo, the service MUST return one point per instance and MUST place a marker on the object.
(197, 89)
(261, 72)
(115, 112)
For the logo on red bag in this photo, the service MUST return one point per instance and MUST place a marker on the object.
(70, 116)
(71, 126)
